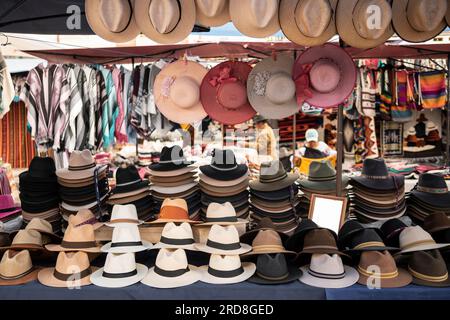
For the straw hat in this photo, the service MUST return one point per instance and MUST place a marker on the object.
(212, 13)
(44, 228)
(176, 237)
(17, 268)
(126, 239)
(80, 238)
(226, 270)
(419, 20)
(223, 214)
(81, 166)
(270, 88)
(112, 20)
(85, 216)
(26, 240)
(360, 31)
(255, 18)
(308, 22)
(123, 215)
(177, 92)
(223, 240)
(165, 21)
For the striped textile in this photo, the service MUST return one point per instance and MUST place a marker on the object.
(401, 109)
(385, 95)
(102, 99)
(433, 93)
(118, 84)
(75, 108)
(93, 91)
(368, 92)
(110, 109)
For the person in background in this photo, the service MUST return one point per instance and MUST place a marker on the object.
(312, 142)
(266, 143)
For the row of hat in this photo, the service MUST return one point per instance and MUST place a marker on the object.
(171, 21)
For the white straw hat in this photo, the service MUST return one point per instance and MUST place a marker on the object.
(176, 237)
(126, 238)
(123, 215)
(223, 240)
(226, 270)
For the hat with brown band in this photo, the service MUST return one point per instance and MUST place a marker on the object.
(268, 242)
(17, 268)
(83, 217)
(123, 215)
(416, 239)
(80, 238)
(436, 222)
(26, 240)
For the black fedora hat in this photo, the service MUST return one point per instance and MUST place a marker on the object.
(366, 240)
(289, 192)
(375, 175)
(432, 189)
(274, 269)
(172, 158)
(128, 180)
(295, 241)
(41, 170)
(224, 166)
(348, 229)
(391, 230)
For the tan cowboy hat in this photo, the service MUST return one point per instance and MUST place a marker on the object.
(165, 21)
(212, 13)
(113, 20)
(17, 268)
(419, 20)
(255, 18)
(308, 22)
(354, 22)
(177, 91)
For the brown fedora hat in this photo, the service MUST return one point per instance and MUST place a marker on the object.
(320, 241)
(436, 222)
(80, 238)
(268, 242)
(17, 268)
(212, 13)
(428, 268)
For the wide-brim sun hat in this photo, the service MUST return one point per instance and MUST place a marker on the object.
(288, 180)
(294, 274)
(212, 13)
(155, 280)
(351, 277)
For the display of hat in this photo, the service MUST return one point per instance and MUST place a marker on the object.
(177, 91)
(16, 268)
(224, 93)
(321, 177)
(123, 215)
(255, 19)
(176, 237)
(432, 190)
(274, 269)
(416, 239)
(325, 76)
(172, 158)
(81, 166)
(303, 28)
(273, 177)
(321, 241)
(113, 21)
(80, 238)
(171, 270)
(85, 216)
(263, 224)
(436, 222)
(295, 241)
(120, 270)
(226, 269)
(359, 31)
(165, 21)
(26, 240)
(224, 167)
(366, 240)
(386, 275)
(268, 242)
(126, 238)
(8, 209)
(375, 175)
(222, 214)
(270, 88)
(173, 210)
(72, 270)
(328, 271)
(419, 20)
(428, 268)
(223, 240)
(391, 231)
(45, 229)
(212, 13)
(128, 183)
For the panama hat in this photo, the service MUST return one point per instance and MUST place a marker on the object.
(81, 166)
(26, 240)
(419, 20)
(255, 18)
(177, 91)
(176, 237)
(270, 88)
(173, 210)
(224, 93)
(416, 239)
(80, 238)
(268, 242)
(45, 229)
(273, 269)
(360, 30)
(226, 269)
(171, 270)
(222, 214)
(17, 268)
(72, 270)
(308, 22)
(212, 13)
(120, 270)
(123, 215)
(126, 239)
(428, 268)
(85, 216)
(165, 21)
(223, 240)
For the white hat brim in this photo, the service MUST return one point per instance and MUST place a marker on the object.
(145, 246)
(155, 280)
(351, 277)
(425, 247)
(98, 279)
(249, 270)
(122, 224)
(160, 245)
(204, 248)
(173, 190)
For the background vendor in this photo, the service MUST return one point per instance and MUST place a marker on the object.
(265, 142)
(312, 141)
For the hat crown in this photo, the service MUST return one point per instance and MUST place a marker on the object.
(127, 175)
(6, 202)
(164, 15)
(311, 135)
(321, 238)
(27, 237)
(425, 15)
(375, 168)
(266, 223)
(171, 260)
(15, 263)
(223, 159)
(223, 234)
(72, 262)
(414, 235)
(80, 160)
(225, 263)
(432, 181)
(120, 263)
(428, 263)
(436, 221)
(172, 231)
(325, 75)
(321, 170)
(272, 171)
(262, 12)
(272, 266)
(280, 88)
(232, 95)
(392, 226)
(267, 238)
(377, 262)
(42, 167)
(218, 210)
(185, 92)
(366, 236)
(83, 216)
(313, 17)
(348, 228)
(115, 14)
(39, 224)
(326, 264)
(174, 209)
(365, 25)
(126, 233)
(210, 8)
(127, 212)
(84, 233)
(172, 154)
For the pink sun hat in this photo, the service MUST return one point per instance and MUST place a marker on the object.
(325, 76)
(7, 206)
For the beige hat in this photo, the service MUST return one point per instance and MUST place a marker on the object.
(113, 20)
(126, 238)
(268, 242)
(177, 91)
(222, 214)
(26, 239)
(72, 270)
(212, 13)
(165, 21)
(223, 240)
(419, 20)
(255, 18)
(85, 216)
(308, 22)
(416, 239)
(362, 29)
(271, 89)
(17, 268)
(226, 270)
(176, 237)
(123, 215)
(81, 165)
(80, 238)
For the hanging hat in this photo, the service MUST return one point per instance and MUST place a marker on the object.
(128, 183)
(255, 18)
(120, 270)
(223, 240)
(387, 275)
(81, 166)
(375, 175)
(173, 210)
(112, 20)
(177, 91)
(224, 167)
(416, 239)
(85, 216)
(428, 268)
(436, 222)
(176, 237)
(268, 242)
(308, 22)
(274, 269)
(325, 76)
(77, 239)
(72, 270)
(17, 268)
(165, 21)
(419, 20)
(126, 239)
(226, 269)
(273, 177)
(433, 190)
(270, 88)
(224, 93)
(172, 158)
(212, 13)
(123, 215)
(321, 177)
(368, 27)
(328, 271)
(171, 270)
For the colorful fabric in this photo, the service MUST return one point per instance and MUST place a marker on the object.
(385, 95)
(401, 111)
(118, 84)
(433, 92)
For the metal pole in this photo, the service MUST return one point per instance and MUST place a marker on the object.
(339, 149)
(447, 145)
